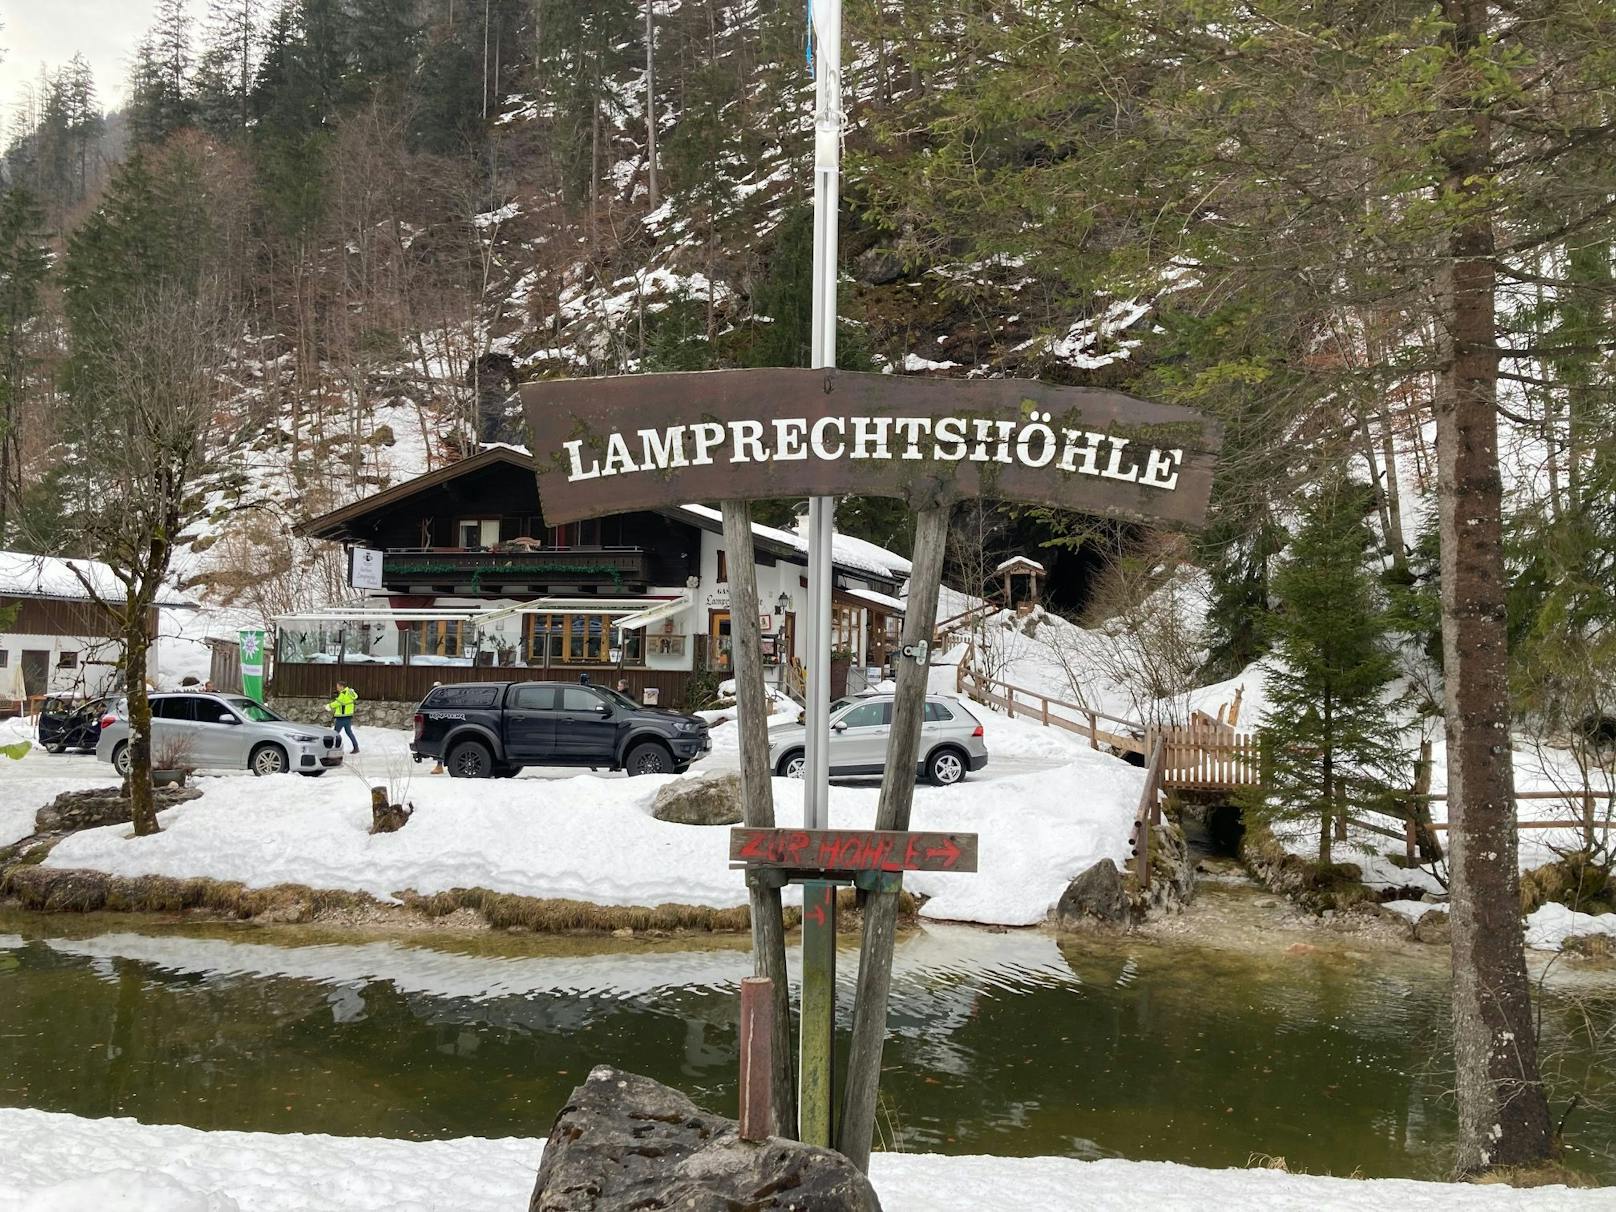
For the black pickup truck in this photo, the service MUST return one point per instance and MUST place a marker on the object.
(482, 730)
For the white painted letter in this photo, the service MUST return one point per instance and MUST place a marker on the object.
(952, 431)
(911, 428)
(574, 451)
(663, 448)
(868, 430)
(1113, 470)
(748, 436)
(706, 435)
(788, 435)
(816, 438)
(1161, 469)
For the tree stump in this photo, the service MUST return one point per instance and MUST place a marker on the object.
(386, 817)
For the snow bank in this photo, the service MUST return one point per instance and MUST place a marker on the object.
(121, 1164)
(593, 839)
(1548, 927)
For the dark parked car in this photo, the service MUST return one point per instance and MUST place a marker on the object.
(70, 724)
(492, 729)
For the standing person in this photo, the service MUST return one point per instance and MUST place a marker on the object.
(342, 713)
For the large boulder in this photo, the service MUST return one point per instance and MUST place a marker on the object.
(625, 1141)
(1433, 927)
(1096, 895)
(709, 799)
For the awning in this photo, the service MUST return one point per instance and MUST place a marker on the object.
(655, 614)
(868, 598)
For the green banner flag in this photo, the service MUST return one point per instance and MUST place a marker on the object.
(252, 665)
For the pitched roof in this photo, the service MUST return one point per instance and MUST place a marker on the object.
(330, 525)
(36, 576)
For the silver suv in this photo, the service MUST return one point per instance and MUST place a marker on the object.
(951, 741)
(220, 731)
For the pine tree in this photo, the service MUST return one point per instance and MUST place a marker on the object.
(23, 266)
(1328, 742)
(225, 71)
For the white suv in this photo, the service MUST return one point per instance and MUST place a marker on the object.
(951, 740)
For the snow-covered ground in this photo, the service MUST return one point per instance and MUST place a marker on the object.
(61, 1163)
(1046, 808)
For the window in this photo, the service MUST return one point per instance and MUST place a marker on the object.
(936, 713)
(256, 712)
(463, 696)
(578, 698)
(5, 658)
(844, 629)
(570, 639)
(439, 638)
(533, 698)
(174, 707)
(868, 715)
(477, 532)
(720, 644)
(67, 658)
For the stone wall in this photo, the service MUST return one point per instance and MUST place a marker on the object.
(370, 712)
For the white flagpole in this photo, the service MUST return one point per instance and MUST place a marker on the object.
(817, 1035)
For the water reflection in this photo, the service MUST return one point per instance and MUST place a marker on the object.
(1012, 1043)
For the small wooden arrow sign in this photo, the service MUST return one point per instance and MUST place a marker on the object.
(852, 850)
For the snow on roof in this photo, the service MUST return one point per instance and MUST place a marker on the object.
(1019, 561)
(891, 604)
(34, 576)
(854, 555)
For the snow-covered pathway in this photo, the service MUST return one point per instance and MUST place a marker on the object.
(61, 1163)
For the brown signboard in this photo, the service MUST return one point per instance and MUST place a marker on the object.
(852, 850)
(639, 441)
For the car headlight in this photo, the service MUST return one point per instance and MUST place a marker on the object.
(307, 740)
(688, 726)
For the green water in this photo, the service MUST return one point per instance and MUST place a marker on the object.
(1010, 1043)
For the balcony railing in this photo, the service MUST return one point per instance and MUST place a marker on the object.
(614, 566)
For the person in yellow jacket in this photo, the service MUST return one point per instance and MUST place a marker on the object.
(342, 713)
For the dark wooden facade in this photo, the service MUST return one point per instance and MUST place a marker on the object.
(65, 617)
(476, 529)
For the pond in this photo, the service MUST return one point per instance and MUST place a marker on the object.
(1013, 1043)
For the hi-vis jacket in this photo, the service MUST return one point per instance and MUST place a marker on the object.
(343, 704)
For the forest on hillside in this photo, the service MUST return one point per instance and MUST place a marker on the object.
(399, 209)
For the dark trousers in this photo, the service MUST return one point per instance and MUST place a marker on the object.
(344, 723)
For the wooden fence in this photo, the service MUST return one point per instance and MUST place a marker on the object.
(1209, 757)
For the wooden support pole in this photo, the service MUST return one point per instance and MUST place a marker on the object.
(757, 797)
(897, 797)
(757, 1058)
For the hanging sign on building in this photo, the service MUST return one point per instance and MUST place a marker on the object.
(638, 441)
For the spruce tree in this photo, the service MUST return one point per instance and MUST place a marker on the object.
(1328, 741)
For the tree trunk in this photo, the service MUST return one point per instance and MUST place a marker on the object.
(757, 798)
(136, 645)
(650, 103)
(897, 795)
(1503, 1115)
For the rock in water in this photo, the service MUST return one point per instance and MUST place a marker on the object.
(1094, 895)
(711, 799)
(625, 1141)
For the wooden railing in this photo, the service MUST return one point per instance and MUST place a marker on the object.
(1209, 756)
(1405, 829)
(1148, 815)
(955, 624)
(1128, 737)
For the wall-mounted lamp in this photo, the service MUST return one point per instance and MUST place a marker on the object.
(782, 604)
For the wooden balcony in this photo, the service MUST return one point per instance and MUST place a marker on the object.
(611, 569)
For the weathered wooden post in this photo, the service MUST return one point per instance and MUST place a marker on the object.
(757, 798)
(897, 796)
(758, 1085)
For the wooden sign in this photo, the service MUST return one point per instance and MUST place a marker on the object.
(626, 442)
(852, 850)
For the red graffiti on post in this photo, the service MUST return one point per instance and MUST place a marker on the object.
(852, 850)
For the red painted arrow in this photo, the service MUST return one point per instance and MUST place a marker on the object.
(949, 852)
(817, 915)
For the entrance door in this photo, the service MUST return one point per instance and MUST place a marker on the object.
(35, 671)
(530, 723)
(720, 644)
(585, 729)
(788, 638)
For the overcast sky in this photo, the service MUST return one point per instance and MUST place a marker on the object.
(49, 31)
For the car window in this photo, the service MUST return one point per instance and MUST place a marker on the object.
(256, 712)
(616, 699)
(868, 715)
(577, 698)
(463, 696)
(936, 713)
(174, 707)
(534, 698)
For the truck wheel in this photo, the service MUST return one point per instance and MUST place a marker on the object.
(470, 760)
(945, 767)
(648, 758)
